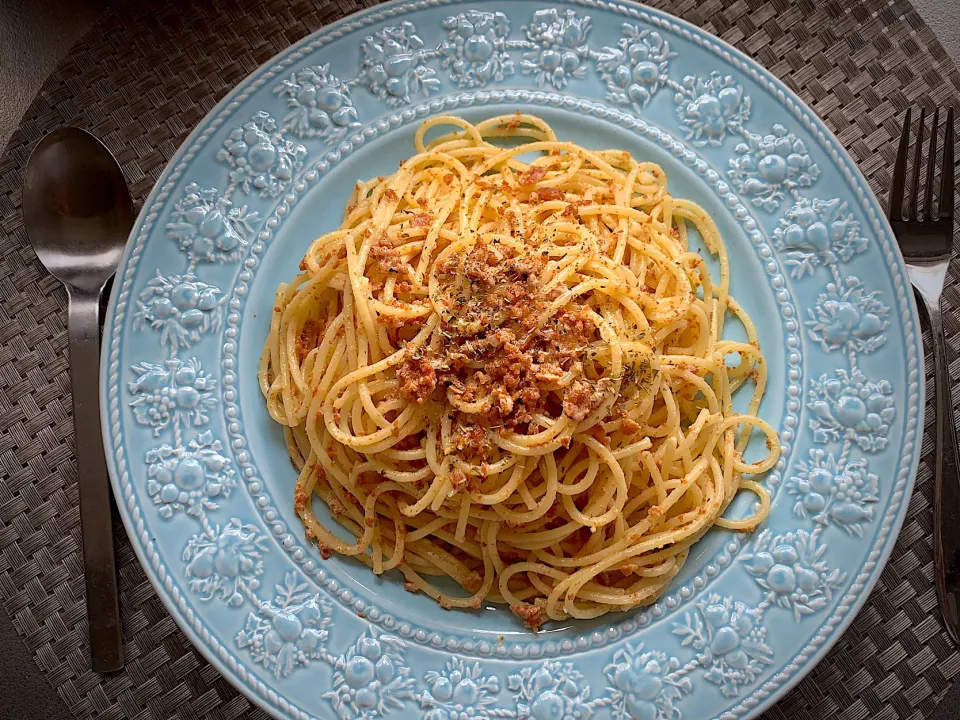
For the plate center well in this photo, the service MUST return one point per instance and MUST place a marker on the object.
(320, 210)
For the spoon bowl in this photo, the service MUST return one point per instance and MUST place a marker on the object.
(78, 214)
(76, 208)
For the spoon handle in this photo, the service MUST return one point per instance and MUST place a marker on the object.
(99, 563)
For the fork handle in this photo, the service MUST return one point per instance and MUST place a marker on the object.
(946, 498)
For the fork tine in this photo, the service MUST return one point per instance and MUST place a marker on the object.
(917, 157)
(931, 167)
(946, 174)
(895, 203)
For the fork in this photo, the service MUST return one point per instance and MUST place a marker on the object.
(926, 243)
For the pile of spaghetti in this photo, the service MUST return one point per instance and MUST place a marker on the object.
(513, 375)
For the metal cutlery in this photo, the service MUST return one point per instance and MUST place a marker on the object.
(925, 237)
(78, 213)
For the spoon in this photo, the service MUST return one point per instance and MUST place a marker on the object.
(78, 214)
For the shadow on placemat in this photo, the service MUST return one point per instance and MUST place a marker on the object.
(141, 80)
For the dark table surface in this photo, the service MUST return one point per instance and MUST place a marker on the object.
(34, 36)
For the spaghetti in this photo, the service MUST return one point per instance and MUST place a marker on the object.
(513, 374)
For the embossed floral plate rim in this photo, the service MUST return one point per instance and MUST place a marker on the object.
(177, 598)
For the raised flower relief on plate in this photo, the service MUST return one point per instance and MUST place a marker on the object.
(189, 479)
(730, 640)
(791, 568)
(710, 107)
(644, 685)
(181, 308)
(261, 158)
(636, 68)
(852, 408)
(834, 492)
(225, 563)
(818, 232)
(320, 104)
(769, 167)
(475, 50)
(460, 691)
(848, 318)
(176, 392)
(208, 227)
(372, 679)
(289, 632)
(559, 47)
(394, 65)
(552, 690)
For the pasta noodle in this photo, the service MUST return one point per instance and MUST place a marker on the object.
(513, 374)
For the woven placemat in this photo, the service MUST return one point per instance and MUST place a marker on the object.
(141, 80)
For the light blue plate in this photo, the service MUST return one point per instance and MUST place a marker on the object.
(201, 473)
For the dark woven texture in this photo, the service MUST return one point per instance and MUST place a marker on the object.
(141, 80)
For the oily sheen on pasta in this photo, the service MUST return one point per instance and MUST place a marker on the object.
(512, 374)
